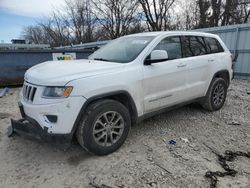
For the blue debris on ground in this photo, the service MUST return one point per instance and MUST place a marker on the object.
(4, 92)
(172, 142)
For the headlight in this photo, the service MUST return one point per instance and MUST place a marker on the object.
(57, 92)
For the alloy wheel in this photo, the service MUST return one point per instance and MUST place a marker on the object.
(218, 94)
(108, 128)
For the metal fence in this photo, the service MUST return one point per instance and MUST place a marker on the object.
(237, 39)
(14, 63)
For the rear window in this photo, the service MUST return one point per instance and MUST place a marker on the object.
(213, 45)
(193, 46)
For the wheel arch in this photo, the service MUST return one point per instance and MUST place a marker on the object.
(121, 96)
(223, 74)
(220, 74)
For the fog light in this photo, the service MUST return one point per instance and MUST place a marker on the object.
(52, 118)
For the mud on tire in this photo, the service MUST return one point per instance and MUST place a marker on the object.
(216, 95)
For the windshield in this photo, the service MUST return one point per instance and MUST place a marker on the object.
(122, 50)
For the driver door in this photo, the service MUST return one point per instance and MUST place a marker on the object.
(164, 82)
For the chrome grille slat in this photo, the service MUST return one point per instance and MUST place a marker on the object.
(29, 92)
(33, 94)
(26, 87)
(26, 91)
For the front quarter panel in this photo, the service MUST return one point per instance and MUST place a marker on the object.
(126, 79)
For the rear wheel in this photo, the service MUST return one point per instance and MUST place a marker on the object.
(104, 127)
(216, 95)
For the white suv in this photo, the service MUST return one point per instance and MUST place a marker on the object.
(129, 79)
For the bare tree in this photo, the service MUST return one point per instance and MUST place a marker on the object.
(36, 34)
(75, 25)
(236, 12)
(156, 13)
(91, 20)
(223, 12)
(189, 16)
(115, 16)
(216, 13)
(246, 10)
(57, 29)
(203, 7)
(137, 27)
(80, 19)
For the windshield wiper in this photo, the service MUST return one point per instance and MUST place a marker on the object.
(101, 59)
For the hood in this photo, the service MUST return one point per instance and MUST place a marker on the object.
(58, 73)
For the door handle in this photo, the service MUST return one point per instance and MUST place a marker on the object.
(181, 65)
(210, 60)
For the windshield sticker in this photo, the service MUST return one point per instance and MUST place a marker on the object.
(139, 41)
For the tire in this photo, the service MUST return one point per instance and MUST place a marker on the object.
(216, 95)
(104, 127)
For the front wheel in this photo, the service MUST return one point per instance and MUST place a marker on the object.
(104, 127)
(216, 95)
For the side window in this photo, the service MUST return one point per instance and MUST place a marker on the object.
(193, 46)
(213, 46)
(172, 45)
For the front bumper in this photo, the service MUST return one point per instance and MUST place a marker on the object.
(31, 129)
(35, 123)
(65, 112)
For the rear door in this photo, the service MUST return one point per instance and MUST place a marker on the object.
(216, 51)
(164, 82)
(198, 65)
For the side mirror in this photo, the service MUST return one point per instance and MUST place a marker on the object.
(157, 56)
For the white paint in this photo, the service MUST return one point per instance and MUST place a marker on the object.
(151, 87)
(159, 54)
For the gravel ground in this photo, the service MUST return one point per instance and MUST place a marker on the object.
(146, 159)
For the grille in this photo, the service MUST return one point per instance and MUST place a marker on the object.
(29, 92)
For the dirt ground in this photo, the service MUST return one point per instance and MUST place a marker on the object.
(146, 159)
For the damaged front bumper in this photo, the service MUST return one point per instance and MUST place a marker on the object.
(29, 128)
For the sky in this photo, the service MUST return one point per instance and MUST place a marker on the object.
(16, 14)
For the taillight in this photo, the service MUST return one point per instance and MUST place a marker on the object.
(232, 60)
(232, 57)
